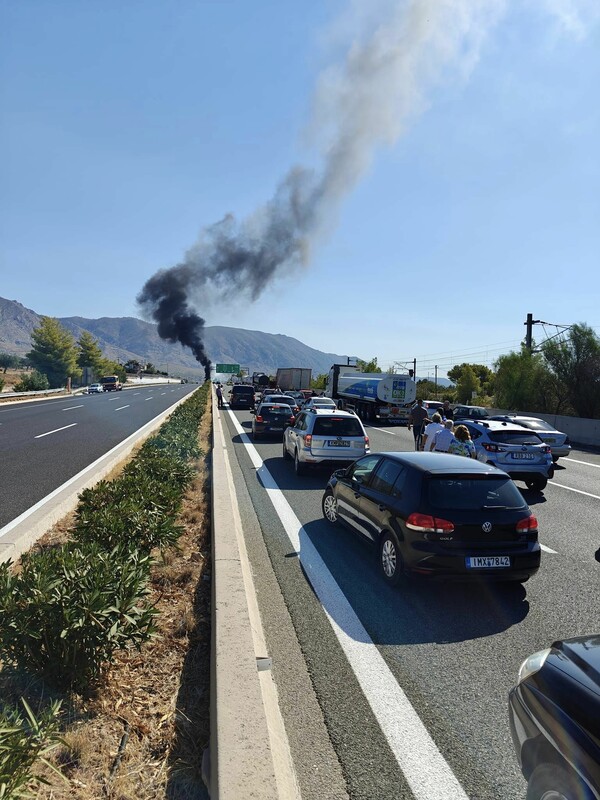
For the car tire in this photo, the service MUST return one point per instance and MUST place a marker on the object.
(537, 484)
(286, 455)
(299, 467)
(330, 509)
(555, 459)
(390, 560)
(555, 782)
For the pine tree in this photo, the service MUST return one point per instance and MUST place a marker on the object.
(54, 352)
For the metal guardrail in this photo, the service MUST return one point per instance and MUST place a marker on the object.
(4, 395)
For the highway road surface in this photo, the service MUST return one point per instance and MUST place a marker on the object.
(411, 683)
(45, 442)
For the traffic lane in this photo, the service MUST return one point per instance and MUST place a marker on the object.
(486, 649)
(32, 468)
(577, 476)
(568, 522)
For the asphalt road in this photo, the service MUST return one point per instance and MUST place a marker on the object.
(451, 651)
(45, 442)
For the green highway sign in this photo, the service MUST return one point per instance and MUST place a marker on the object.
(234, 368)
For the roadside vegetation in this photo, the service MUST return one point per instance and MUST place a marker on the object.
(104, 642)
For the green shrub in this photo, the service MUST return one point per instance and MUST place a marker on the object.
(69, 609)
(23, 740)
(34, 382)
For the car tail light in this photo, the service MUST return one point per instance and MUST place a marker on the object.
(366, 441)
(308, 440)
(527, 525)
(426, 524)
(258, 418)
(292, 420)
(491, 448)
(546, 449)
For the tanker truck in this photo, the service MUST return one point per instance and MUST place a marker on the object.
(382, 396)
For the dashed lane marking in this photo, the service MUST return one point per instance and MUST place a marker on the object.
(56, 430)
(71, 408)
(120, 408)
(587, 463)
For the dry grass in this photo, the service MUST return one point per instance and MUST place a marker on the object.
(142, 735)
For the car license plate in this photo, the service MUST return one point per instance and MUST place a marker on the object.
(487, 562)
(525, 456)
(338, 443)
(276, 428)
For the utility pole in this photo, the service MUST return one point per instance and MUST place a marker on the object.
(436, 369)
(529, 323)
(415, 368)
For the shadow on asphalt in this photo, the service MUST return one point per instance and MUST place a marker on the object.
(418, 610)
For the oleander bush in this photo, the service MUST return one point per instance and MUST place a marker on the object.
(70, 608)
(24, 739)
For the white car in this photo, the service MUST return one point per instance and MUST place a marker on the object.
(324, 437)
(320, 402)
(95, 388)
(557, 440)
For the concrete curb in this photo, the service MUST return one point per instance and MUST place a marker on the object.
(249, 752)
(23, 531)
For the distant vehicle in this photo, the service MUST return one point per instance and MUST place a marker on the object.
(436, 515)
(558, 442)
(241, 396)
(322, 437)
(319, 402)
(111, 383)
(293, 378)
(470, 412)
(514, 449)
(272, 397)
(271, 418)
(554, 714)
(431, 406)
(95, 388)
(297, 396)
(372, 395)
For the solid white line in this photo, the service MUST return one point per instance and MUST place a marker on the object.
(56, 430)
(120, 408)
(424, 767)
(570, 489)
(587, 463)
(17, 520)
(548, 549)
(71, 408)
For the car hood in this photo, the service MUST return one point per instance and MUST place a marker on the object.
(579, 658)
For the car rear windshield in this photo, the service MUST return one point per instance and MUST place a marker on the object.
(337, 426)
(285, 399)
(476, 493)
(536, 424)
(515, 437)
(284, 410)
(243, 390)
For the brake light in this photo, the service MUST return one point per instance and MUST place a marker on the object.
(527, 525)
(292, 420)
(426, 524)
(308, 440)
(366, 441)
(258, 418)
(546, 449)
(491, 448)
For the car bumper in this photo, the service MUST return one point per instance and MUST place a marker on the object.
(560, 451)
(426, 559)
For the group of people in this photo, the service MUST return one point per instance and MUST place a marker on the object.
(438, 434)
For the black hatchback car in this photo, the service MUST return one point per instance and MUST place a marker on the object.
(436, 515)
(241, 396)
(272, 418)
(554, 714)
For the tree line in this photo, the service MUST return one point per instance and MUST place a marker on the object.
(560, 376)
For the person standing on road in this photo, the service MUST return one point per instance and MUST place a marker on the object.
(416, 420)
(434, 426)
(442, 439)
(219, 396)
(462, 444)
(446, 411)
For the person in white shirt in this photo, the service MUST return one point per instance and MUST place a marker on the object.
(443, 438)
(434, 426)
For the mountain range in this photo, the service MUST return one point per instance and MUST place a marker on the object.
(125, 338)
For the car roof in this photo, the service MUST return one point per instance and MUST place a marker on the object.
(493, 424)
(332, 412)
(443, 463)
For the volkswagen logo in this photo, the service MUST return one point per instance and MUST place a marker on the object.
(486, 527)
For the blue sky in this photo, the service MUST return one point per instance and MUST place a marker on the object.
(126, 127)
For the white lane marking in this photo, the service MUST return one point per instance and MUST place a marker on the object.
(548, 549)
(17, 520)
(587, 463)
(120, 408)
(578, 491)
(56, 430)
(424, 767)
(383, 430)
(149, 398)
(71, 408)
(161, 394)
(134, 394)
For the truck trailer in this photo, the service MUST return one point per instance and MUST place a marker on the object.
(293, 379)
(382, 396)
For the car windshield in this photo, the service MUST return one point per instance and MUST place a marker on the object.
(475, 493)
(283, 410)
(322, 401)
(337, 426)
(536, 424)
(515, 437)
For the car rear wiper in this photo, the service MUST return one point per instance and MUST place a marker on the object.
(502, 508)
